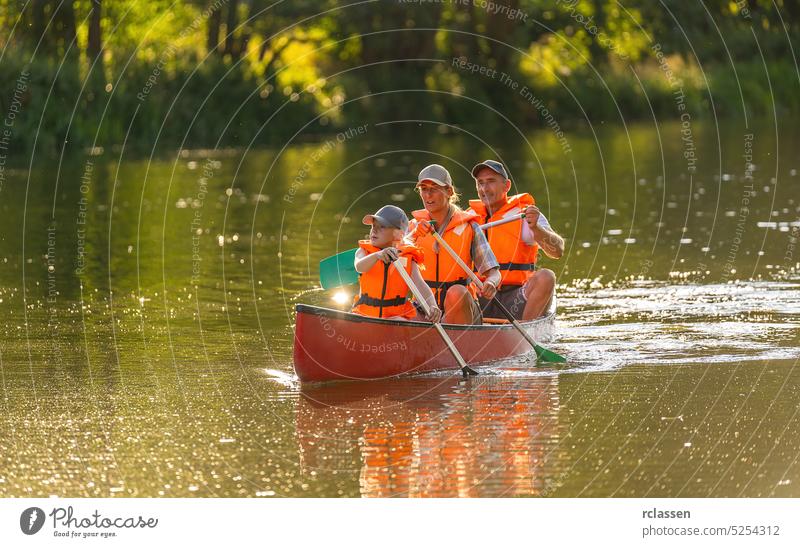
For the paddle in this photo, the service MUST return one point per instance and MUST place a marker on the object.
(465, 368)
(505, 220)
(338, 270)
(541, 353)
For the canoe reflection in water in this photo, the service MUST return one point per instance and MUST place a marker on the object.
(433, 436)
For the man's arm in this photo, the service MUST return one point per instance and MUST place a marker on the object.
(485, 261)
(551, 243)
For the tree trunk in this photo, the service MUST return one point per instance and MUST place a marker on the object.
(597, 52)
(214, 21)
(230, 26)
(244, 39)
(95, 45)
(500, 27)
(66, 18)
(38, 22)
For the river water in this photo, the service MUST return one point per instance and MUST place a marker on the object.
(147, 311)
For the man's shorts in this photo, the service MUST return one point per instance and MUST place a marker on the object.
(513, 298)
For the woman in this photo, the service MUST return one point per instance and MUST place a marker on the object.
(459, 229)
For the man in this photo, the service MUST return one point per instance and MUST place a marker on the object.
(524, 292)
(458, 228)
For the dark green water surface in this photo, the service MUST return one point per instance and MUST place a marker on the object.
(147, 322)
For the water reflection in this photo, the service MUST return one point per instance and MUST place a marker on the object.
(433, 436)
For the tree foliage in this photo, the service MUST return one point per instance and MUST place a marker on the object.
(204, 72)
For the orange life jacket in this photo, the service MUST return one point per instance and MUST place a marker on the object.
(383, 293)
(517, 259)
(440, 271)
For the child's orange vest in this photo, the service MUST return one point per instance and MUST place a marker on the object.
(383, 293)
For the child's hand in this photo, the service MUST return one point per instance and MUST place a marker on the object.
(389, 255)
(435, 315)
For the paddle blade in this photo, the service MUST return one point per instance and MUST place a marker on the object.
(547, 356)
(338, 270)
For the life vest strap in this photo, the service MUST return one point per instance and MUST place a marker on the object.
(516, 266)
(444, 285)
(378, 302)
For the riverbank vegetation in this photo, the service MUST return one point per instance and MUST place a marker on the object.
(88, 74)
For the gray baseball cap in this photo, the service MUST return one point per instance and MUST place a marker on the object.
(389, 215)
(495, 166)
(436, 174)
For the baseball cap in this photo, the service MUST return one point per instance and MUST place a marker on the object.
(436, 174)
(389, 215)
(495, 166)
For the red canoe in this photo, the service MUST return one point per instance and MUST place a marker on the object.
(337, 345)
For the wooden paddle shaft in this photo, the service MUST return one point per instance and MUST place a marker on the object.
(501, 221)
(461, 362)
(415, 291)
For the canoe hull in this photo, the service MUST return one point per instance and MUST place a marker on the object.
(332, 345)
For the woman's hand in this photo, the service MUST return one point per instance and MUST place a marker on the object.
(422, 229)
(489, 289)
(434, 315)
(493, 280)
(389, 255)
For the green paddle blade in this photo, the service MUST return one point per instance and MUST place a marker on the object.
(338, 270)
(548, 356)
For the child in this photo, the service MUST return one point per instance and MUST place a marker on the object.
(383, 292)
